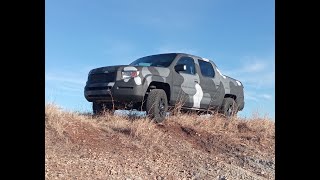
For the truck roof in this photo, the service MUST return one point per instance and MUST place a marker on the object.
(198, 57)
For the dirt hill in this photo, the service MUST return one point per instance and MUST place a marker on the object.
(185, 146)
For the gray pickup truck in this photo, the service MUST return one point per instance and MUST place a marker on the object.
(155, 83)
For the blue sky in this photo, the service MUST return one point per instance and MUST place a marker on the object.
(239, 36)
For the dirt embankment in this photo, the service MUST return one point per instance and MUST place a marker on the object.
(185, 146)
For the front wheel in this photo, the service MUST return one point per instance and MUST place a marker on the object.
(157, 105)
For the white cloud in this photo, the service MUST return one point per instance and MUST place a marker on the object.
(258, 80)
(253, 67)
(255, 96)
(266, 96)
(257, 73)
(249, 96)
(65, 82)
(64, 79)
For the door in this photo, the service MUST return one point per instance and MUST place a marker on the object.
(186, 84)
(211, 85)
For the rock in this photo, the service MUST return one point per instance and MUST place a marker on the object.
(220, 177)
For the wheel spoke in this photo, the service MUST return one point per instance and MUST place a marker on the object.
(229, 110)
(161, 107)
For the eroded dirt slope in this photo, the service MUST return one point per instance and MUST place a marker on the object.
(183, 147)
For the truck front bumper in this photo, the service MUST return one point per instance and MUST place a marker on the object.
(119, 91)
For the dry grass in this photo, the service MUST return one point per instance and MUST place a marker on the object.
(218, 124)
(186, 146)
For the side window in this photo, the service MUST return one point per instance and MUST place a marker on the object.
(206, 68)
(191, 69)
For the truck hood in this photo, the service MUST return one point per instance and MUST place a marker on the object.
(162, 71)
(106, 69)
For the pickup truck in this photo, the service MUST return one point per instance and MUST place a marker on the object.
(158, 82)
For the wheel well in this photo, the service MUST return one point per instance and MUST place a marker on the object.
(231, 96)
(160, 85)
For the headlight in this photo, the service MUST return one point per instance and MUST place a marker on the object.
(129, 74)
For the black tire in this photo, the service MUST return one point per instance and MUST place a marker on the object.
(157, 105)
(99, 108)
(229, 107)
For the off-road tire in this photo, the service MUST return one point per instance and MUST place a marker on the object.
(157, 105)
(229, 107)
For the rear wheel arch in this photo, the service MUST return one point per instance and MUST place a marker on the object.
(234, 97)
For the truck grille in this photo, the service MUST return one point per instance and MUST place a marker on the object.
(102, 77)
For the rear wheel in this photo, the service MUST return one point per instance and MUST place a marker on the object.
(229, 107)
(157, 105)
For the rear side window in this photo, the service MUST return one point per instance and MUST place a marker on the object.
(206, 68)
(191, 69)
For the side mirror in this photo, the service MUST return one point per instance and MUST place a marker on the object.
(180, 67)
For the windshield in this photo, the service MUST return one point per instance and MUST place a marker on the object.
(159, 60)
